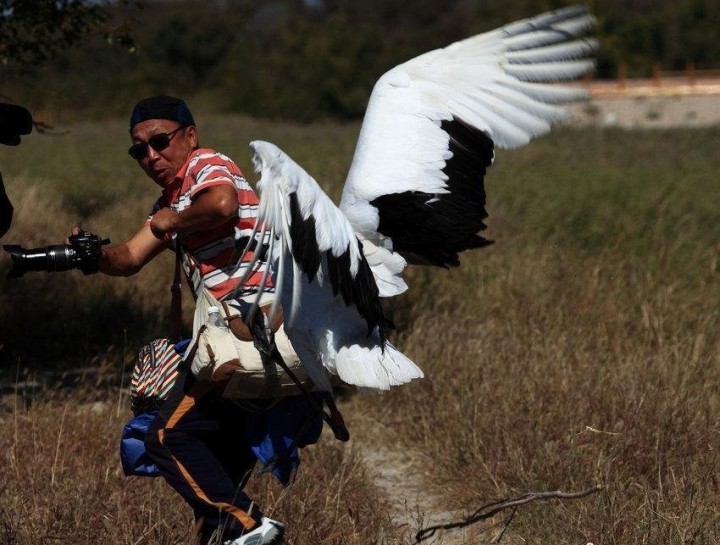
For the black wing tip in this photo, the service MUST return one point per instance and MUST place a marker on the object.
(359, 290)
(304, 239)
(446, 259)
(434, 228)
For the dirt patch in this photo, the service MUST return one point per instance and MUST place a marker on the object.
(404, 477)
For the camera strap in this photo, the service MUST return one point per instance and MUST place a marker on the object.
(175, 326)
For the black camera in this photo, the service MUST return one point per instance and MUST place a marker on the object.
(82, 253)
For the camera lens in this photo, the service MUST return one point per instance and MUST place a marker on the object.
(83, 252)
(49, 258)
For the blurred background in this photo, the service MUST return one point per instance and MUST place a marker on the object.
(303, 60)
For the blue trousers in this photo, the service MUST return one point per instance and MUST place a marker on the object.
(198, 444)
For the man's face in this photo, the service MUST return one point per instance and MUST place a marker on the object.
(163, 165)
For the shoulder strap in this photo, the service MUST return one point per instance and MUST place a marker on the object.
(175, 327)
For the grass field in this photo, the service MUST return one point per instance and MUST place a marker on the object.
(582, 349)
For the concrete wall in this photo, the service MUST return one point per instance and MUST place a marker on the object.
(661, 103)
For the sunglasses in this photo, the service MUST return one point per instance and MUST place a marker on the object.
(158, 142)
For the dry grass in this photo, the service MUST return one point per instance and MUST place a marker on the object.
(61, 483)
(583, 348)
(584, 351)
(566, 381)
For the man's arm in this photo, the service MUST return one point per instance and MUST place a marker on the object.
(211, 208)
(128, 258)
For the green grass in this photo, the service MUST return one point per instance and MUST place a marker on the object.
(582, 348)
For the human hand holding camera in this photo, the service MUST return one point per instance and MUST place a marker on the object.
(82, 250)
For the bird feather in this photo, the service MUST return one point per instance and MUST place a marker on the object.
(415, 189)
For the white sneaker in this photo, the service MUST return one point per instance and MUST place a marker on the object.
(270, 532)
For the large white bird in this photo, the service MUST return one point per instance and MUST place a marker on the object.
(415, 192)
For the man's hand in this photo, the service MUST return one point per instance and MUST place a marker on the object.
(74, 230)
(129, 257)
(164, 221)
(210, 208)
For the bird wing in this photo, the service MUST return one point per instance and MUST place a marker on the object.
(415, 186)
(330, 299)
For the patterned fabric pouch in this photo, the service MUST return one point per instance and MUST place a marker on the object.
(155, 372)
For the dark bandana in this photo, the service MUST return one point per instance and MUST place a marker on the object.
(162, 107)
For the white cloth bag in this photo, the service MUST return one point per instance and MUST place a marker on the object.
(233, 365)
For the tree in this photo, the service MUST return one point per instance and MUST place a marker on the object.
(34, 31)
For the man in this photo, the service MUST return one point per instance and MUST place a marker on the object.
(207, 208)
(14, 122)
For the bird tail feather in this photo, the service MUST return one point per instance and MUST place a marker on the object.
(373, 367)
